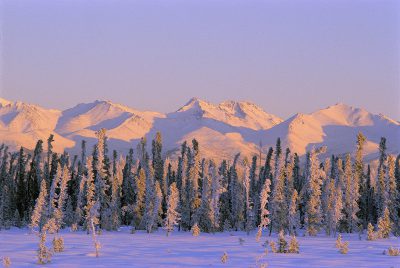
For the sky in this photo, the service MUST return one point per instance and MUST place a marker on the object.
(286, 56)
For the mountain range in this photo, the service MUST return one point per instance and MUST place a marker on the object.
(222, 130)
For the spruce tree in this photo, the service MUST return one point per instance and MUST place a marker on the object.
(264, 212)
(39, 215)
(393, 195)
(351, 197)
(293, 214)
(22, 200)
(215, 196)
(35, 175)
(381, 190)
(236, 196)
(384, 224)
(172, 216)
(312, 194)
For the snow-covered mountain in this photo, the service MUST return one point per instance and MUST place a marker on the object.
(336, 127)
(222, 129)
(22, 124)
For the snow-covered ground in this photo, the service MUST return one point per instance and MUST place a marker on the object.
(181, 249)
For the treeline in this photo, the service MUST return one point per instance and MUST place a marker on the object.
(147, 191)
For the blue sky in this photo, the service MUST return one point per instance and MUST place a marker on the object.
(286, 56)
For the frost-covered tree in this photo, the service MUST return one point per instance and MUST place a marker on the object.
(351, 197)
(91, 212)
(370, 232)
(384, 224)
(192, 185)
(381, 190)
(158, 165)
(215, 196)
(205, 210)
(139, 204)
(236, 196)
(149, 204)
(293, 214)
(172, 216)
(157, 210)
(128, 189)
(249, 215)
(312, 194)
(35, 174)
(39, 215)
(393, 195)
(101, 167)
(279, 205)
(264, 212)
(116, 178)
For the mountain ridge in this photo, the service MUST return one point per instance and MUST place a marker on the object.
(222, 129)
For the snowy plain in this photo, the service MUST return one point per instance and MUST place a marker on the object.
(181, 249)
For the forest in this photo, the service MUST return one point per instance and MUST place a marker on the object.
(279, 192)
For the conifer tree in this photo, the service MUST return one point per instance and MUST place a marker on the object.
(393, 195)
(279, 211)
(193, 182)
(128, 190)
(172, 217)
(312, 195)
(264, 213)
(293, 214)
(22, 202)
(294, 245)
(249, 216)
(215, 196)
(140, 192)
(351, 197)
(154, 219)
(91, 211)
(47, 165)
(158, 165)
(35, 175)
(236, 196)
(370, 232)
(282, 243)
(381, 191)
(39, 216)
(384, 224)
(205, 210)
(101, 168)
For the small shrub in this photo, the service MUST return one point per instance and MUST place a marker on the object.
(370, 233)
(384, 225)
(195, 230)
(259, 234)
(58, 244)
(344, 248)
(338, 241)
(6, 262)
(241, 241)
(259, 263)
(282, 243)
(74, 227)
(133, 230)
(393, 251)
(294, 245)
(97, 246)
(224, 258)
(273, 247)
(44, 253)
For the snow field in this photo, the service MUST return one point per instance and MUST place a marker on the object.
(181, 249)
